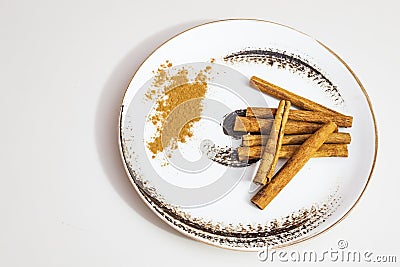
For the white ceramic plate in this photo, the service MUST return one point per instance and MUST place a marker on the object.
(211, 202)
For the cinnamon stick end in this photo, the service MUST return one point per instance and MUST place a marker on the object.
(258, 205)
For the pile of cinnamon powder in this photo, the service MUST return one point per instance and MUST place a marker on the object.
(178, 107)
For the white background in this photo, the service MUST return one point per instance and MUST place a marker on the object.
(65, 199)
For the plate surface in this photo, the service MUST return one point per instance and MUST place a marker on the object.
(210, 201)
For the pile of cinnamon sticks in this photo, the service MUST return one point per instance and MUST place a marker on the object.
(283, 132)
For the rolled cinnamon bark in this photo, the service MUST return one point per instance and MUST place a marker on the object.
(294, 164)
(252, 124)
(279, 142)
(296, 100)
(295, 139)
(255, 125)
(269, 151)
(302, 115)
(326, 150)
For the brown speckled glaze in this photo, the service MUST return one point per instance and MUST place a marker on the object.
(293, 62)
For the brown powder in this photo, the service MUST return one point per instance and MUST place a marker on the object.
(178, 107)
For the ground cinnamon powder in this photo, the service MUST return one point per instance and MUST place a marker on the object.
(178, 107)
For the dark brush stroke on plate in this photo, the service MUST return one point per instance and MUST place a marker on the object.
(292, 62)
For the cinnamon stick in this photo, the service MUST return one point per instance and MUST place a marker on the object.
(302, 115)
(280, 139)
(286, 151)
(280, 93)
(295, 139)
(294, 164)
(267, 156)
(255, 125)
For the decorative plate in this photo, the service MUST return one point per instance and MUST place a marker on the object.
(185, 173)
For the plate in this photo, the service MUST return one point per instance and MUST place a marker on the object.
(191, 181)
